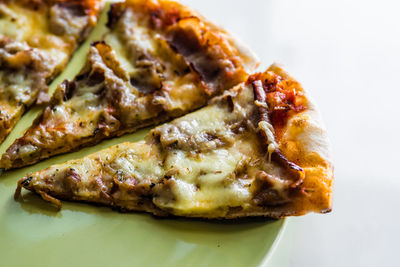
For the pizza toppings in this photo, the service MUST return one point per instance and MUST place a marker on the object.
(267, 108)
(211, 163)
(87, 7)
(67, 19)
(139, 75)
(238, 156)
(22, 68)
(36, 40)
(205, 49)
(283, 98)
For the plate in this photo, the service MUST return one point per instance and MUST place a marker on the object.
(33, 233)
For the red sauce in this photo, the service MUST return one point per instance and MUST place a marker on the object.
(284, 98)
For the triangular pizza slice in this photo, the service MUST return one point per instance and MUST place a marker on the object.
(160, 60)
(37, 38)
(257, 150)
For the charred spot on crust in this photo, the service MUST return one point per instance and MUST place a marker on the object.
(326, 210)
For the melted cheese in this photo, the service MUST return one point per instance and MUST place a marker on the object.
(133, 164)
(15, 87)
(35, 47)
(133, 38)
(29, 26)
(203, 183)
(268, 129)
(21, 23)
(146, 79)
(197, 160)
(197, 165)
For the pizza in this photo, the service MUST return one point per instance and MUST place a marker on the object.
(158, 61)
(37, 38)
(259, 149)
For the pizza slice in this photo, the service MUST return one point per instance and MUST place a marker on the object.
(160, 60)
(37, 38)
(257, 150)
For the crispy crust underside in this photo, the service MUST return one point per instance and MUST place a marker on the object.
(233, 213)
(147, 206)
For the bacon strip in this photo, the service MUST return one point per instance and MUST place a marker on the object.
(277, 156)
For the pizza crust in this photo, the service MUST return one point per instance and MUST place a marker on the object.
(144, 168)
(250, 59)
(303, 142)
(306, 142)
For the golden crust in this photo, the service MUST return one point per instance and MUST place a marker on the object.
(305, 142)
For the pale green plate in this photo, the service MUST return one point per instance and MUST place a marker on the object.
(33, 233)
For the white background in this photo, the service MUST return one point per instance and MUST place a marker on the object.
(347, 55)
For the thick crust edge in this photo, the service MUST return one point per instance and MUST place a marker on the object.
(305, 141)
